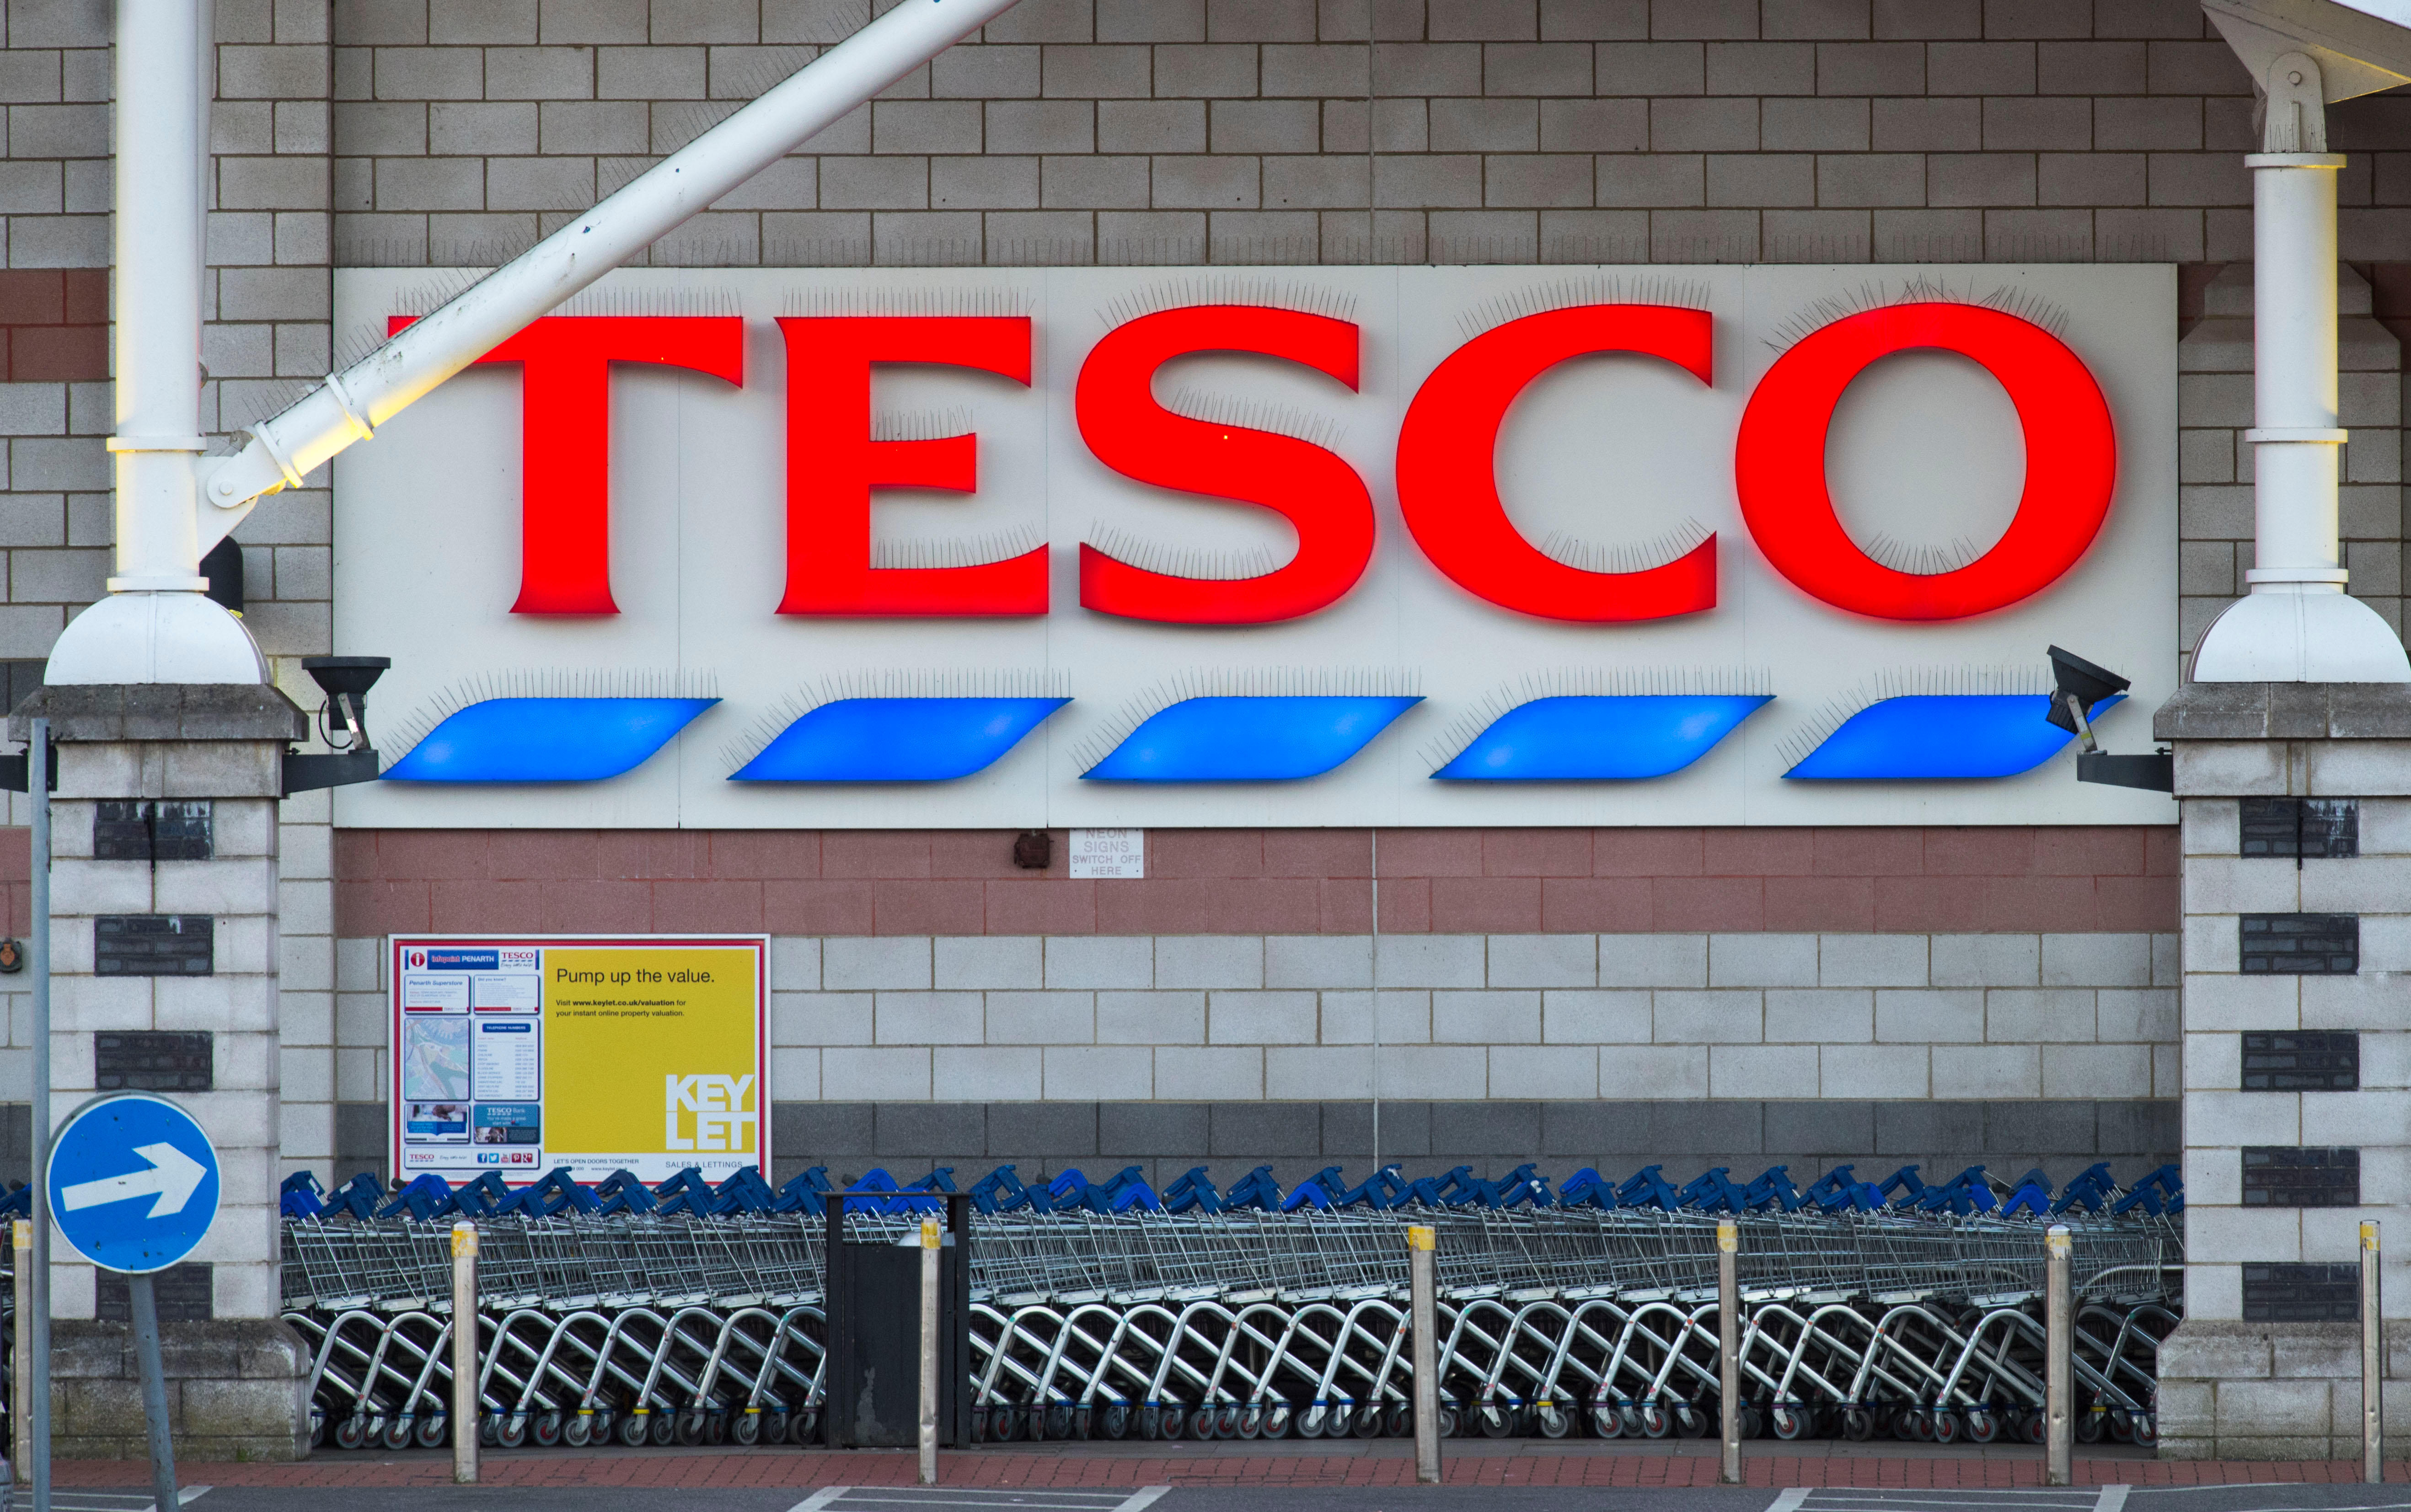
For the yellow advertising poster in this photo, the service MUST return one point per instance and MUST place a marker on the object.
(521, 1056)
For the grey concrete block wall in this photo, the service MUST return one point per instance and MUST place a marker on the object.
(1189, 130)
(1164, 1140)
(1672, 1046)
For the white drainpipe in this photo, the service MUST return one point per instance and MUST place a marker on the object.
(2296, 623)
(156, 626)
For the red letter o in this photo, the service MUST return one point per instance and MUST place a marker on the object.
(2071, 461)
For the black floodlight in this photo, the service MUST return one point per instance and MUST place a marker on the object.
(2080, 685)
(347, 680)
(2077, 685)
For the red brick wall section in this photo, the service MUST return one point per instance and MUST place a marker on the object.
(54, 325)
(1259, 882)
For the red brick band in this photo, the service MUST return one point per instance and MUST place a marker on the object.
(1263, 882)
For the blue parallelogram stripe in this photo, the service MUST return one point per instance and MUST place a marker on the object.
(1251, 739)
(546, 739)
(1595, 738)
(1942, 736)
(897, 740)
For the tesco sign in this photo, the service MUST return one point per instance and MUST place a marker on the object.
(1330, 546)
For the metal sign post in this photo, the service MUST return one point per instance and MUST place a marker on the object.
(2372, 1361)
(143, 1304)
(38, 1336)
(929, 1244)
(1728, 1348)
(1423, 1324)
(21, 1236)
(465, 1354)
(2058, 1426)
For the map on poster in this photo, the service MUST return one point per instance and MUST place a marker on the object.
(521, 1055)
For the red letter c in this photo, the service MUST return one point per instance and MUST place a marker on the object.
(1450, 495)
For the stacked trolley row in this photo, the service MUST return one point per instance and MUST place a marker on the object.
(1243, 1325)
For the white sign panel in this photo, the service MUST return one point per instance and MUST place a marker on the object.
(1109, 855)
(1627, 554)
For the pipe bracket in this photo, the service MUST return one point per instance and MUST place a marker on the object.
(267, 443)
(352, 411)
(2311, 435)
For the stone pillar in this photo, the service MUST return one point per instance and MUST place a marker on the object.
(236, 1377)
(2266, 1364)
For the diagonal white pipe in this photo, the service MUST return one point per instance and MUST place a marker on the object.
(351, 405)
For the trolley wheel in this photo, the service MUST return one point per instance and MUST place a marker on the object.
(2032, 1428)
(1944, 1425)
(1059, 1420)
(1858, 1425)
(1788, 1423)
(1398, 1420)
(1310, 1421)
(579, 1431)
(2122, 1425)
(1553, 1421)
(2088, 1426)
(1605, 1421)
(1204, 1423)
(1150, 1424)
(490, 1429)
(1656, 1421)
(1496, 1419)
(1084, 1422)
(512, 1431)
(1982, 1426)
(1114, 1420)
(715, 1429)
(1279, 1419)
(1252, 1420)
(2147, 1429)
(774, 1427)
(317, 1429)
(689, 1428)
(546, 1429)
(352, 1432)
(397, 1433)
(803, 1428)
(662, 1427)
(1691, 1421)
(746, 1428)
(632, 1427)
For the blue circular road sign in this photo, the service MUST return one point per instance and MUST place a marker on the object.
(133, 1182)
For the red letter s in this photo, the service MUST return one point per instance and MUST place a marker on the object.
(1449, 491)
(1319, 495)
(833, 464)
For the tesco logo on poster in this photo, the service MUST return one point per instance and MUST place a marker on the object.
(1446, 455)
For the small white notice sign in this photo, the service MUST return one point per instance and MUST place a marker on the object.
(1109, 853)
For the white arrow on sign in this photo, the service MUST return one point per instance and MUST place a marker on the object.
(173, 1177)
